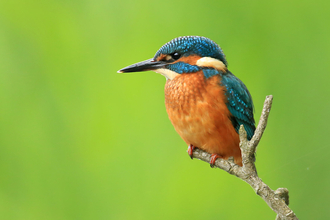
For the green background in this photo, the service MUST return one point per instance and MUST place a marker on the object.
(80, 141)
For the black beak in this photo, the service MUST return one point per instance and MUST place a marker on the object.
(150, 64)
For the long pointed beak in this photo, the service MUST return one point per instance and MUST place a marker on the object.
(150, 64)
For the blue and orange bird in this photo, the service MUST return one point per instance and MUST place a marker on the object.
(205, 102)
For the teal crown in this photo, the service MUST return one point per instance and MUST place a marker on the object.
(193, 45)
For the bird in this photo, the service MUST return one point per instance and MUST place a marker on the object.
(205, 102)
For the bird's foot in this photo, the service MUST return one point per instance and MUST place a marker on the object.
(214, 157)
(190, 150)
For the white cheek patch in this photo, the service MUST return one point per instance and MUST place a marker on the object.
(211, 62)
(169, 74)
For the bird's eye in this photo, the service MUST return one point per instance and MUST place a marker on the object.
(175, 56)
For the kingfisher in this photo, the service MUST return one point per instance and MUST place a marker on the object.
(205, 102)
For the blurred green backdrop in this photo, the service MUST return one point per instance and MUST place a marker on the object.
(79, 141)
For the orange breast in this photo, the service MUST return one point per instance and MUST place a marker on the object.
(197, 109)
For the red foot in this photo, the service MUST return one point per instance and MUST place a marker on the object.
(214, 157)
(191, 149)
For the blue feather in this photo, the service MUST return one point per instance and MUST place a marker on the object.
(208, 72)
(239, 103)
(181, 67)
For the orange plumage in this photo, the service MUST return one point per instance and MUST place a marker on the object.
(197, 109)
(205, 102)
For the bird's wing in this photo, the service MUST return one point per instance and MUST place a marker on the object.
(239, 103)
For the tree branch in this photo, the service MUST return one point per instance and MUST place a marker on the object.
(277, 200)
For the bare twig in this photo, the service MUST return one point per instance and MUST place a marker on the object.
(277, 200)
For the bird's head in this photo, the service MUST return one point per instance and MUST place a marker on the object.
(183, 55)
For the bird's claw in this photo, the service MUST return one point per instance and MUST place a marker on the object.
(191, 149)
(214, 157)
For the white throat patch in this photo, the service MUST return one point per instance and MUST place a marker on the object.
(169, 74)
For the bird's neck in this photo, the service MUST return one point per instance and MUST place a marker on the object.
(186, 89)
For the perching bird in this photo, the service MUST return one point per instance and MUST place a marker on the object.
(205, 102)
